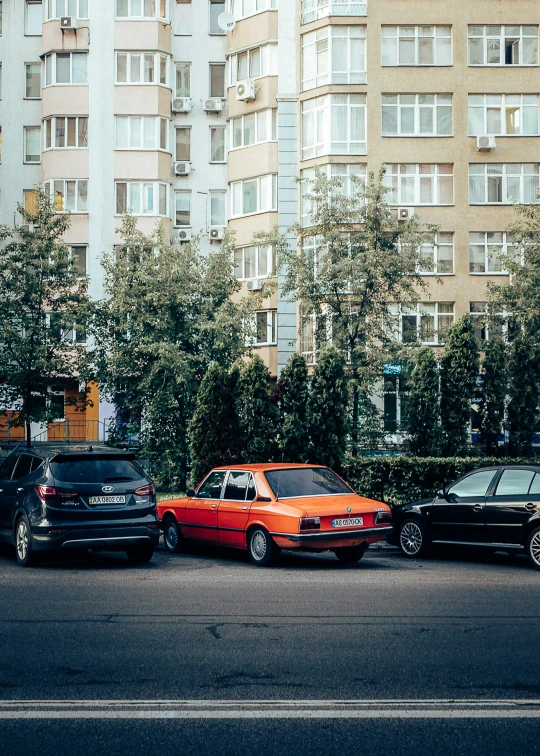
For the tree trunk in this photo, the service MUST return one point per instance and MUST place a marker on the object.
(355, 413)
(28, 427)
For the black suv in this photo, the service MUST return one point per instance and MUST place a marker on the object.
(92, 499)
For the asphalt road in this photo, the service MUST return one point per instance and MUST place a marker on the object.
(338, 653)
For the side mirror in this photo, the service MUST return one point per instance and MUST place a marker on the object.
(190, 492)
(442, 494)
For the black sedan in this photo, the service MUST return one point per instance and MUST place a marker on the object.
(494, 507)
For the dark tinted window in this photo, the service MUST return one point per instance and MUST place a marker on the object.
(36, 462)
(6, 468)
(236, 487)
(211, 488)
(514, 483)
(97, 470)
(476, 484)
(307, 481)
(24, 465)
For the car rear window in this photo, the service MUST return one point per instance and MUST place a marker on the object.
(305, 481)
(96, 470)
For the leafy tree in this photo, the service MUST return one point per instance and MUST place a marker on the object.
(354, 262)
(214, 431)
(424, 405)
(523, 395)
(494, 391)
(42, 299)
(167, 316)
(459, 368)
(327, 409)
(259, 416)
(294, 442)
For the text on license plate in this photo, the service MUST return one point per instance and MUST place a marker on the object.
(348, 522)
(96, 500)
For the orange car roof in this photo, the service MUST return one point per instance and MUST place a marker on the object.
(262, 466)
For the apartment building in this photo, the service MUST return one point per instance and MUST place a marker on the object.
(152, 106)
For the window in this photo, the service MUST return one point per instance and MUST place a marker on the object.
(141, 9)
(183, 21)
(494, 45)
(484, 327)
(30, 201)
(427, 322)
(438, 258)
(514, 483)
(416, 46)
(216, 8)
(59, 8)
(253, 63)
(32, 81)
(344, 172)
(78, 255)
(395, 394)
(183, 144)
(32, 144)
(503, 115)
(66, 68)
(420, 184)
(69, 195)
(503, 183)
(237, 486)
(253, 128)
(315, 9)
(182, 207)
(217, 144)
(486, 250)
(183, 80)
(265, 327)
(334, 125)
(69, 132)
(244, 8)
(334, 55)
(33, 18)
(217, 208)
(476, 484)
(141, 133)
(141, 68)
(257, 195)
(141, 198)
(217, 80)
(212, 486)
(254, 262)
(417, 115)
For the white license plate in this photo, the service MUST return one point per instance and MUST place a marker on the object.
(348, 523)
(97, 500)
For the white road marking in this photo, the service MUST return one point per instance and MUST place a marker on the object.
(271, 709)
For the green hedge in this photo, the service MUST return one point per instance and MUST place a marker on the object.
(397, 480)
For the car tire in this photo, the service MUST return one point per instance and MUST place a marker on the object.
(261, 547)
(533, 548)
(26, 556)
(350, 554)
(413, 539)
(140, 553)
(172, 536)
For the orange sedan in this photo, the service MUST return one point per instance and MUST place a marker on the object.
(268, 507)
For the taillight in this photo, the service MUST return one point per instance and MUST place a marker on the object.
(46, 493)
(310, 523)
(146, 490)
(383, 518)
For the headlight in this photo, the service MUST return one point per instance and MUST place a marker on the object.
(310, 523)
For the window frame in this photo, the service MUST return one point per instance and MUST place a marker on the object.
(157, 147)
(270, 257)
(215, 32)
(319, 110)
(237, 7)
(26, 129)
(502, 106)
(398, 37)
(419, 311)
(314, 10)
(437, 176)
(502, 40)
(27, 5)
(268, 52)
(158, 57)
(78, 182)
(504, 176)
(222, 193)
(37, 65)
(52, 4)
(271, 192)
(417, 107)
(331, 34)
(212, 130)
(52, 121)
(271, 127)
(52, 58)
(506, 246)
(156, 198)
(142, 17)
(188, 194)
(436, 245)
(271, 328)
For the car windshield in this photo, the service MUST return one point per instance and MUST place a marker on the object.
(305, 481)
(96, 470)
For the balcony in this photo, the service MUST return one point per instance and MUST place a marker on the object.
(313, 10)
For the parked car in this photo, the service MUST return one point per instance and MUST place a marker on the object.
(267, 507)
(58, 499)
(494, 507)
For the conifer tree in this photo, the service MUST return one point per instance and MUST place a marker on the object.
(424, 405)
(214, 430)
(327, 409)
(459, 369)
(294, 442)
(494, 389)
(259, 416)
(523, 395)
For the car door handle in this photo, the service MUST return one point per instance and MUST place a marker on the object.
(244, 508)
(530, 505)
(478, 507)
(20, 490)
(214, 506)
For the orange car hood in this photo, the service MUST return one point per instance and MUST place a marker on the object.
(332, 505)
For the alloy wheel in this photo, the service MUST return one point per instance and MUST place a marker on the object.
(535, 548)
(22, 540)
(410, 538)
(258, 545)
(171, 536)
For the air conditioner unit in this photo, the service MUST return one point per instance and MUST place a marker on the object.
(68, 22)
(182, 169)
(181, 105)
(185, 234)
(213, 106)
(245, 90)
(485, 143)
(29, 228)
(255, 284)
(405, 213)
(217, 233)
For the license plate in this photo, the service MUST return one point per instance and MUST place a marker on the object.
(97, 500)
(348, 523)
